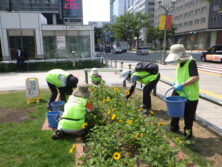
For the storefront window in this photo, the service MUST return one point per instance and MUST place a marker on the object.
(25, 40)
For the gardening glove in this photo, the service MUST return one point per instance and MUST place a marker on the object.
(178, 87)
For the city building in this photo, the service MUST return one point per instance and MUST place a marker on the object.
(117, 8)
(55, 11)
(98, 24)
(144, 6)
(198, 23)
(30, 32)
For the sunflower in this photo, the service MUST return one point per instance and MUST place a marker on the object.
(107, 99)
(151, 112)
(109, 111)
(160, 124)
(116, 155)
(127, 92)
(137, 135)
(116, 89)
(104, 100)
(113, 117)
(84, 125)
(130, 122)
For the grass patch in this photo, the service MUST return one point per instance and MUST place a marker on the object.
(24, 144)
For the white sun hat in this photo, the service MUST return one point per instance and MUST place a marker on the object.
(177, 52)
(94, 71)
(125, 74)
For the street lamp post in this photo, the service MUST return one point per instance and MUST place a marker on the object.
(166, 10)
(192, 37)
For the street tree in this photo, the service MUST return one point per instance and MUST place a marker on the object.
(129, 25)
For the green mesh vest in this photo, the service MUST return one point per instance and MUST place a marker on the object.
(95, 79)
(145, 76)
(53, 77)
(182, 75)
(75, 108)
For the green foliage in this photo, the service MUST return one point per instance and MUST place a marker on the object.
(128, 134)
(44, 66)
(24, 144)
(129, 25)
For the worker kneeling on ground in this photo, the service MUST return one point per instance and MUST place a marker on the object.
(186, 85)
(61, 80)
(76, 108)
(146, 73)
(96, 79)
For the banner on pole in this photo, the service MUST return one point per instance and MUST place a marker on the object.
(168, 22)
(162, 22)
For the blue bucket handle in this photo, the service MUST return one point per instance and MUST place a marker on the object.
(171, 89)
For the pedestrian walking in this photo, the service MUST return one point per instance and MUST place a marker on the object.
(76, 108)
(146, 73)
(186, 85)
(60, 81)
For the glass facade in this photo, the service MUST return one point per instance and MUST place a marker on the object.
(25, 40)
(66, 44)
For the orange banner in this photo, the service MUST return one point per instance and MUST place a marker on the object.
(162, 22)
(168, 22)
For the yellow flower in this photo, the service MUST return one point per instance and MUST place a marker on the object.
(108, 99)
(109, 111)
(137, 135)
(94, 89)
(120, 120)
(178, 140)
(84, 125)
(141, 134)
(160, 124)
(130, 122)
(116, 89)
(113, 109)
(127, 92)
(72, 148)
(113, 116)
(116, 155)
(104, 100)
(151, 112)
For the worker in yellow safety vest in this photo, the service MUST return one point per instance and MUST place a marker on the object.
(62, 81)
(73, 119)
(186, 85)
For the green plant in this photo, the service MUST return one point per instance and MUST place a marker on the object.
(127, 137)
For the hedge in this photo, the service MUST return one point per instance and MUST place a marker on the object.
(44, 66)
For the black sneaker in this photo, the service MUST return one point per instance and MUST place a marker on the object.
(57, 135)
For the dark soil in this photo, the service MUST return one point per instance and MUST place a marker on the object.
(9, 115)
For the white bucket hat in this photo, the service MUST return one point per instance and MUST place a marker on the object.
(177, 52)
(82, 90)
(125, 74)
(94, 71)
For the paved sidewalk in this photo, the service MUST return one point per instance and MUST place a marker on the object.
(208, 83)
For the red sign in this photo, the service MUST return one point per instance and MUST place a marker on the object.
(168, 22)
(71, 4)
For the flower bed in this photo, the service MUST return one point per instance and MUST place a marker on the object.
(122, 136)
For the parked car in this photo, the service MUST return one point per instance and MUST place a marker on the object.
(142, 50)
(213, 54)
(117, 50)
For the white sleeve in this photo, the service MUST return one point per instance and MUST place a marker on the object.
(63, 80)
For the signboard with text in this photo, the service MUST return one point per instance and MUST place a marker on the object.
(72, 9)
(61, 42)
(32, 90)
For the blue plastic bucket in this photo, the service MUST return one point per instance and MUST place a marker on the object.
(52, 118)
(58, 106)
(175, 105)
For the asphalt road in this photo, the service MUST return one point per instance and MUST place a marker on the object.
(152, 57)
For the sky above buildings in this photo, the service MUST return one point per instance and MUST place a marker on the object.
(96, 10)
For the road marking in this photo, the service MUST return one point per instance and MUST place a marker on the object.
(201, 90)
(213, 69)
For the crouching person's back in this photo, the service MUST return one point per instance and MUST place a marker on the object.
(73, 118)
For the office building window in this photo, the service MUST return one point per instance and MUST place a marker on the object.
(197, 21)
(215, 19)
(203, 20)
